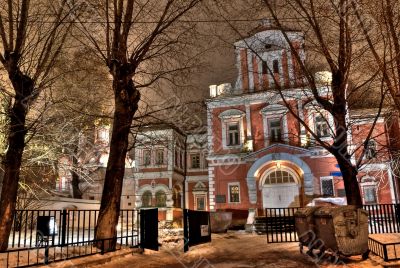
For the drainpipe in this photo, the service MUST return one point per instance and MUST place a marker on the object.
(185, 220)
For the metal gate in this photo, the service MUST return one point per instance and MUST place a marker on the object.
(198, 229)
(149, 229)
(280, 225)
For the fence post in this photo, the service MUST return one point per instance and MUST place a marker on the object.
(63, 226)
(185, 231)
(102, 247)
(46, 254)
(397, 216)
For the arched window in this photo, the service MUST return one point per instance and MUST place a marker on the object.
(146, 199)
(161, 199)
(279, 176)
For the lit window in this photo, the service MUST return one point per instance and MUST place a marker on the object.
(370, 151)
(327, 186)
(103, 134)
(234, 193)
(160, 157)
(279, 176)
(233, 134)
(369, 194)
(146, 157)
(321, 126)
(146, 199)
(195, 160)
(275, 130)
(161, 199)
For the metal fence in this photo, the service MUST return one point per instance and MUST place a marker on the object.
(72, 235)
(280, 225)
(280, 222)
(383, 218)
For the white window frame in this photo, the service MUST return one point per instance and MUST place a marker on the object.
(367, 183)
(228, 117)
(366, 155)
(196, 204)
(312, 113)
(275, 119)
(103, 134)
(157, 151)
(144, 159)
(191, 160)
(275, 111)
(324, 122)
(231, 140)
(326, 178)
(229, 192)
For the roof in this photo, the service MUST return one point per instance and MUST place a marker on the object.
(268, 25)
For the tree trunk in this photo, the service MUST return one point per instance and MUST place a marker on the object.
(76, 192)
(23, 87)
(126, 100)
(349, 174)
(340, 146)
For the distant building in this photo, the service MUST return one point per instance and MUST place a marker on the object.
(260, 156)
(154, 174)
(160, 174)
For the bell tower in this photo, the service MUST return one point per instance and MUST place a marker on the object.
(265, 60)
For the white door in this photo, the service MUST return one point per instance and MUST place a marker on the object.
(280, 196)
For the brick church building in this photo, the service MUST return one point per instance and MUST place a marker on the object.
(253, 153)
(260, 156)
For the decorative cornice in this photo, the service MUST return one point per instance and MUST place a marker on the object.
(232, 113)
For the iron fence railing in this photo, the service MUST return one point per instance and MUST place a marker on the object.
(69, 226)
(383, 218)
(280, 222)
(71, 234)
(280, 225)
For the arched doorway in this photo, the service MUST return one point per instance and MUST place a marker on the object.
(280, 188)
(304, 171)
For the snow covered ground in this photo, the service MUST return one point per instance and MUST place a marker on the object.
(234, 249)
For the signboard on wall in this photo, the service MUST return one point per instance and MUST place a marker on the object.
(220, 198)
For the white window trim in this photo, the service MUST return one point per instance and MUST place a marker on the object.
(191, 154)
(373, 183)
(275, 111)
(232, 116)
(143, 159)
(376, 151)
(164, 160)
(197, 195)
(326, 178)
(312, 113)
(229, 193)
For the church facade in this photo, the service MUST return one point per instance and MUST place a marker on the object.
(260, 156)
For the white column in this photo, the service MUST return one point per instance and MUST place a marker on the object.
(186, 195)
(248, 120)
(392, 185)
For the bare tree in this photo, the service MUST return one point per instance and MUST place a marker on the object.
(139, 43)
(30, 43)
(333, 44)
